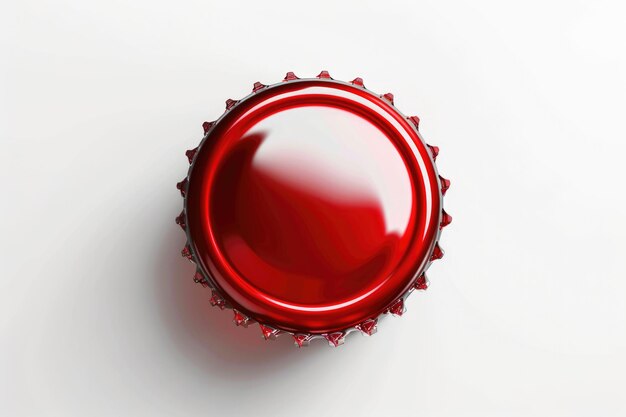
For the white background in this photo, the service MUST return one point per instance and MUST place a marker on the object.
(525, 315)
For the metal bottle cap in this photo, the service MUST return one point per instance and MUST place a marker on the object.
(311, 207)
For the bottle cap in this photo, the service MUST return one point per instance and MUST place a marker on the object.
(312, 207)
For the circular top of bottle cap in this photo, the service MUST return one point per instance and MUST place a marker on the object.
(312, 206)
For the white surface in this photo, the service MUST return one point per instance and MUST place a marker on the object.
(525, 314)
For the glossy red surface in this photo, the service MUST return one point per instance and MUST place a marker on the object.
(313, 205)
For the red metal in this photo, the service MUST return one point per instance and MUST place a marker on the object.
(358, 81)
(268, 332)
(186, 252)
(445, 184)
(335, 339)
(190, 154)
(302, 340)
(368, 327)
(324, 74)
(421, 283)
(217, 300)
(206, 126)
(397, 308)
(446, 219)
(311, 206)
(258, 86)
(181, 219)
(434, 151)
(290, 76)
(240, 319)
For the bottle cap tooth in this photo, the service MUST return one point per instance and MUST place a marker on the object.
(206, 126)
(434, 151)
(324, 74)
(416, 121)
(302, 340)
(230, 103)
(198, 278)
(335, 339)
(446, 219)
(258, 86)
(397, 308)
(437, 252)
(217, 300)
(368, 327)
(358, 81)
(180, 220)
(190, 154)
(421, 283)
(240, 319)
(269, 333)
(388, 97)
(290, 76)
(445, 184)
(186, 252)
(182, 187)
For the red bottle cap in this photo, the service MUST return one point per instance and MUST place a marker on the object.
(312, 206)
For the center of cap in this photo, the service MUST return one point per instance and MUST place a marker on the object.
(311, 206)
